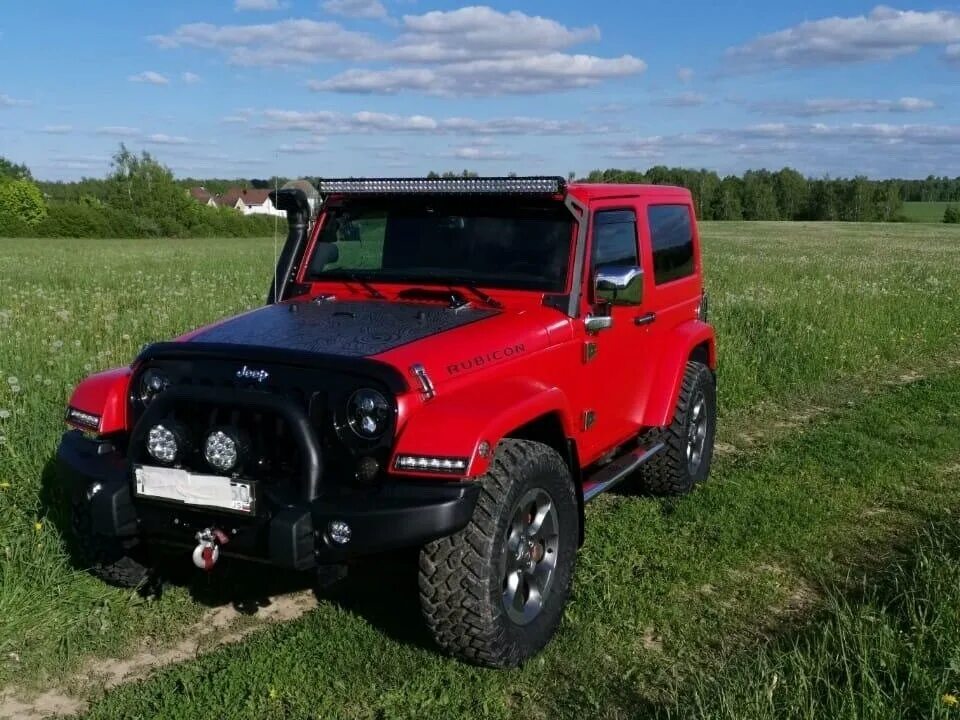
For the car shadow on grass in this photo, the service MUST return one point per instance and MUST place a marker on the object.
(382, 589)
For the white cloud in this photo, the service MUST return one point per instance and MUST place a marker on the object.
(118, 131)
(684, 100)
(56, 129)
(882, 34)
(685, 75)
(372, 9)
(150, 77)
(472, 51)
(312, 145)
(325, 122)
(8, 102)
(240, 5)
(190, 78)
(482, 153)
(164, 139)
(510, 75)
(837, 106)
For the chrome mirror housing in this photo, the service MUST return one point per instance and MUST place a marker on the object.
(618, 284)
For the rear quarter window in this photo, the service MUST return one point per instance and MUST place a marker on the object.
(671, 235)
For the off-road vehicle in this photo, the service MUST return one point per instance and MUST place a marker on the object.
(454, 365)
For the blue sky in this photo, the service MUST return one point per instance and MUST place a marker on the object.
(251, 88)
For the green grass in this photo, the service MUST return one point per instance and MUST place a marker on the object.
(887, 645)
(805, 314)
(929, 212)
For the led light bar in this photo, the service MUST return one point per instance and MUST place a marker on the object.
(444, 186)
(431, 463)
(83, 420)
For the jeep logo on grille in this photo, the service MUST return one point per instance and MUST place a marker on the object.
(246, 373)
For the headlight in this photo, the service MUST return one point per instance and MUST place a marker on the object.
(368, 414)
(152, 383)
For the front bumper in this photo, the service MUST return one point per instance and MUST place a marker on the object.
(388, 516)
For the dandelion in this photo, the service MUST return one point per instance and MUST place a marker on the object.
(38, 378)
(56, 344)
(273, 693)
(38, 526)
(4, 414)
(949, 700)
(4, 485)
(12, 380)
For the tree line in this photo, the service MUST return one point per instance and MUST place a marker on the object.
(139, 198)
(782, 195)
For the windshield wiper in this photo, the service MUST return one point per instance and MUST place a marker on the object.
(374, 293)
(486, 299)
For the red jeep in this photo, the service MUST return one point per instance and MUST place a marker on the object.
(457, 365)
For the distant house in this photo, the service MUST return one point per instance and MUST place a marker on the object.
(202, 196)
(249, 202)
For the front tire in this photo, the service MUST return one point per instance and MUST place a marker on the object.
(688, 440)
(117, 562)
(494, 593)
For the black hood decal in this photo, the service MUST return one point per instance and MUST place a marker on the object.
(350, 328)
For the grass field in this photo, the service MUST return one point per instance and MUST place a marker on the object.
(925, 211)
(839, 394)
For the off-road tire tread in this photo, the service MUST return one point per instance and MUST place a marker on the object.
(666, 472)
(107, 558)
(454, 577)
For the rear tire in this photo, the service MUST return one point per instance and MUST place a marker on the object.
(494, 593)
(688, 440)
(113, 560)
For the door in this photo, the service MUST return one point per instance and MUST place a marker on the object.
(617, 359)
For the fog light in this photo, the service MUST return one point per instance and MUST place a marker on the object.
(432, 463)
(163, 443)
(222, 450)
(339, 532)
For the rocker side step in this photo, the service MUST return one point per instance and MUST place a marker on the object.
(609, 475)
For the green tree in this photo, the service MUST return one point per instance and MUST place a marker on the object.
(951, 215)
(21, 201)
(759, 201)
(791, 189)
(11, 171)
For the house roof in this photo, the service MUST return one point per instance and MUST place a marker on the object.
(255, 197)
(200, 194)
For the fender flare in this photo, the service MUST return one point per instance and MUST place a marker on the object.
(454, 425)
(105, 394)
(680, 344)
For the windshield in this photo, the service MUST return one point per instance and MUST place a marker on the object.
(490, 243)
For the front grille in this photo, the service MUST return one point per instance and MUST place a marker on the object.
(272, 455)
(275, 454)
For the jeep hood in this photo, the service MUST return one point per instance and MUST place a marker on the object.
(340, 328)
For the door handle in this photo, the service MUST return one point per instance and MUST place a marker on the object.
(645, 319)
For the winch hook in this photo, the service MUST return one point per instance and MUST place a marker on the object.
(207, 551)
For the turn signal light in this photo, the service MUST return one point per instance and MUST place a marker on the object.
(432, 463)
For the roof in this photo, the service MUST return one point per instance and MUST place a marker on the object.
(255, 197)
(597, 191)
(200, 193)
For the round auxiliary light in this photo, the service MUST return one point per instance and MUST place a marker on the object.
(163, 444)
(340, 532)
(224, 449)
(368, 413)
(152, 383)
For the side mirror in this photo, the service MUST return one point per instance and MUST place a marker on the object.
(618, 284)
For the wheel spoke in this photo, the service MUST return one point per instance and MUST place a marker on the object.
(543, 520)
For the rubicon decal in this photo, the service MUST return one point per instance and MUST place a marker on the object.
(489, 358)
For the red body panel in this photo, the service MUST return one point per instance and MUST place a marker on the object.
(104, 394)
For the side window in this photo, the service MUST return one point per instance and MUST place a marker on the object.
(671, 234)
(615, 238)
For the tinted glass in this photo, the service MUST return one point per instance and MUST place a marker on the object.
(615, 238)
(671, 233)
(490, 243)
